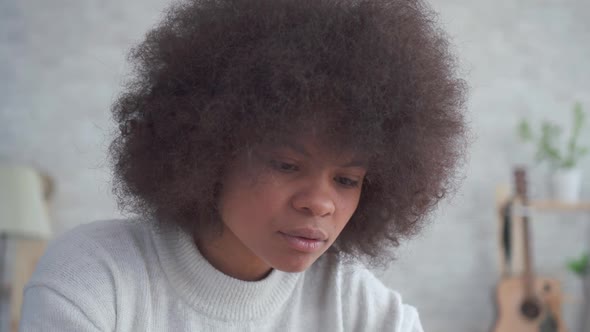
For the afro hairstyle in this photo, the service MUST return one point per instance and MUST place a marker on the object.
(215, 77)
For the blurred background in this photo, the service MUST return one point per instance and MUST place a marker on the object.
(62, 63)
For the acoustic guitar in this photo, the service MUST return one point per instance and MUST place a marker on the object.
(527, 302)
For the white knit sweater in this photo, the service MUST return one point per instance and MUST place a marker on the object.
(131, 276)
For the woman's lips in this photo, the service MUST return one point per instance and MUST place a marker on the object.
(303, 244)
(308, 233)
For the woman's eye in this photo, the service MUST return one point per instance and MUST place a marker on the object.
(347, 182)
(284, 167)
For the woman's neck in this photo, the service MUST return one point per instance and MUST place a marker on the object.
(228, 255)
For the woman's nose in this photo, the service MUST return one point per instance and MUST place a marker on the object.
(315, 200)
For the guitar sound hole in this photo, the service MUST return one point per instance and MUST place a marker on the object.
(547, 288)
(530, 309)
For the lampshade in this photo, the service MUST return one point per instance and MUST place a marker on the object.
(23, 207)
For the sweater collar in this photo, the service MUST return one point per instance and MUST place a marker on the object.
(212, 292)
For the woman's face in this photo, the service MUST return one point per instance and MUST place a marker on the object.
(282, 207)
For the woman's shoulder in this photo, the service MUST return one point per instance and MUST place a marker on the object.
(367, 303)
(77, 279)
(108, 233)
(103, 237)
(91, 252)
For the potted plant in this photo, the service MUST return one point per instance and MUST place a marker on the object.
(566, 177)
(581, 267)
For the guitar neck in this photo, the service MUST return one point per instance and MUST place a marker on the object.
(529, 275)
(524, 214)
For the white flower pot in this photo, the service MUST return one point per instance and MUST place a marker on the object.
(565, 185)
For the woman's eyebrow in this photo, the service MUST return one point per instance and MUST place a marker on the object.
(355, 163)
(297, 148)
(301, 149)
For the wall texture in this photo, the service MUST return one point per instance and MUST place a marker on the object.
(62, 63)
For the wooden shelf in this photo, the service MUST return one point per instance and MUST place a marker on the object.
(559, 206)
(503, 195)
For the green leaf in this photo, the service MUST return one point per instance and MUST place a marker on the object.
(579, 266)
(579, 115)
(550, 147)
(524, 131)
(577, 125)
(547, 150)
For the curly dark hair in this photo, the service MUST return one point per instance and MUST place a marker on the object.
(218, 76)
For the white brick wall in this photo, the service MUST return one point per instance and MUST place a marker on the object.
(61, 63)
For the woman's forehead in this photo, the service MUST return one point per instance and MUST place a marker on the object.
(310, 146)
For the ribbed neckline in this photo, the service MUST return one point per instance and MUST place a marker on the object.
(212, 292)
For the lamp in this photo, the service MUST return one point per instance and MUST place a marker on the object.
(23, 208)
(23, 215)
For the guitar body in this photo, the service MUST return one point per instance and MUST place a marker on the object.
(511, 295)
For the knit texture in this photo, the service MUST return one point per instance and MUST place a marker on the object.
(132, 276)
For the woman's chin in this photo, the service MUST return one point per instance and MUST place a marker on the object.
(294, 265)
